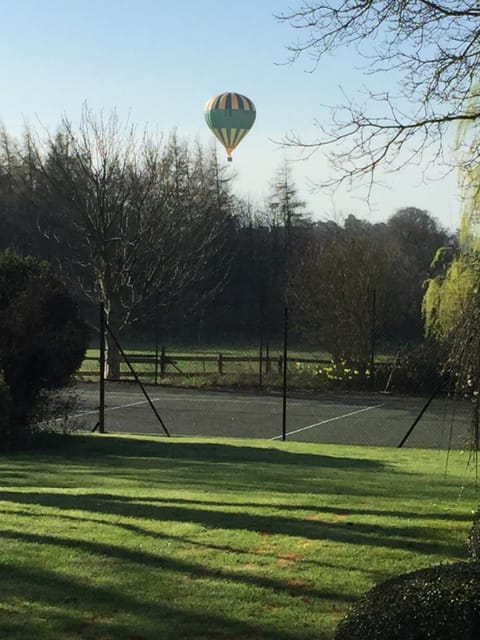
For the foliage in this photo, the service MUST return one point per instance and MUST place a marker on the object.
(42, 337)
(414, 369)
(184, 259)
(414, 238)
(221, 272)
(54, 412)
(333, 376)
(419, 368)
(440, 602)
(332, 290)
(452, 303)
(5, 412)
(447, 297)
(129, 218)
(358, 281)
(473, 541)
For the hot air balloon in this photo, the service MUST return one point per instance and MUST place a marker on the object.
(230, 116)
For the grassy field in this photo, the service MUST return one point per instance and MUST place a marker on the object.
(124, 538)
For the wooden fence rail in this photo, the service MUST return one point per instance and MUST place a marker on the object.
(155, 367)
(170, 365)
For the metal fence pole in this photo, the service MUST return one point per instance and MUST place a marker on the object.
(101, 408)
(373, 339)
(285, 371)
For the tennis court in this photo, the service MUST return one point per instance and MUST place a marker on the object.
(364, 419)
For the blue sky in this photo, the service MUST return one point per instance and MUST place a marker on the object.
(157, 63)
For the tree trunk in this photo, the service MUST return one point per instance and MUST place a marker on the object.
(112, 361)
(113, 358)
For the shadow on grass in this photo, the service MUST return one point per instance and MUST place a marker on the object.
(212, 466)
(75, 607)
(411, 538)
(103, 448)
(176, 566)
(237, 550)
(339, 511)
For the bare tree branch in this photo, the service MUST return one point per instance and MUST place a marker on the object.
(133, 218)
(433, 45)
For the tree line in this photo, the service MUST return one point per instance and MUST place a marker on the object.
(153, 229)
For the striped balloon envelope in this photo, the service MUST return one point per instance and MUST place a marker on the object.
(230, 116)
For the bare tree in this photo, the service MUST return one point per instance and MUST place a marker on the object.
(130, 218)
(434, 46)
(335, 279)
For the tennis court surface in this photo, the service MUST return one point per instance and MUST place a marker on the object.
(365, 419)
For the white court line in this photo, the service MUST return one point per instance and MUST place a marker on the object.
(221, 399)
(318, 424)
(140, 402)
(120, 406)
(185, 399)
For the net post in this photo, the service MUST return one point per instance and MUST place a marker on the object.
(101, 407)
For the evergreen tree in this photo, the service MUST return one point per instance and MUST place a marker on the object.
(42, 338)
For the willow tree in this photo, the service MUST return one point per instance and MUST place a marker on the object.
(451, 305)
(130, 218)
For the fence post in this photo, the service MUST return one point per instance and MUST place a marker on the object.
(220, 364)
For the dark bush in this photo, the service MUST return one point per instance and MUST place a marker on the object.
(473, 541)
(438, 603)
(42, 336)
(418, 369)
(5, 412)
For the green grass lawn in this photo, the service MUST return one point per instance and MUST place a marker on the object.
(124, 538)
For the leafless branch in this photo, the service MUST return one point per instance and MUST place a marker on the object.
(434, 46)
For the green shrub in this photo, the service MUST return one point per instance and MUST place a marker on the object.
(419, 369)
(42, 337)
(5, 411)
(332, 376)
(438, 603)
(473, 541)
